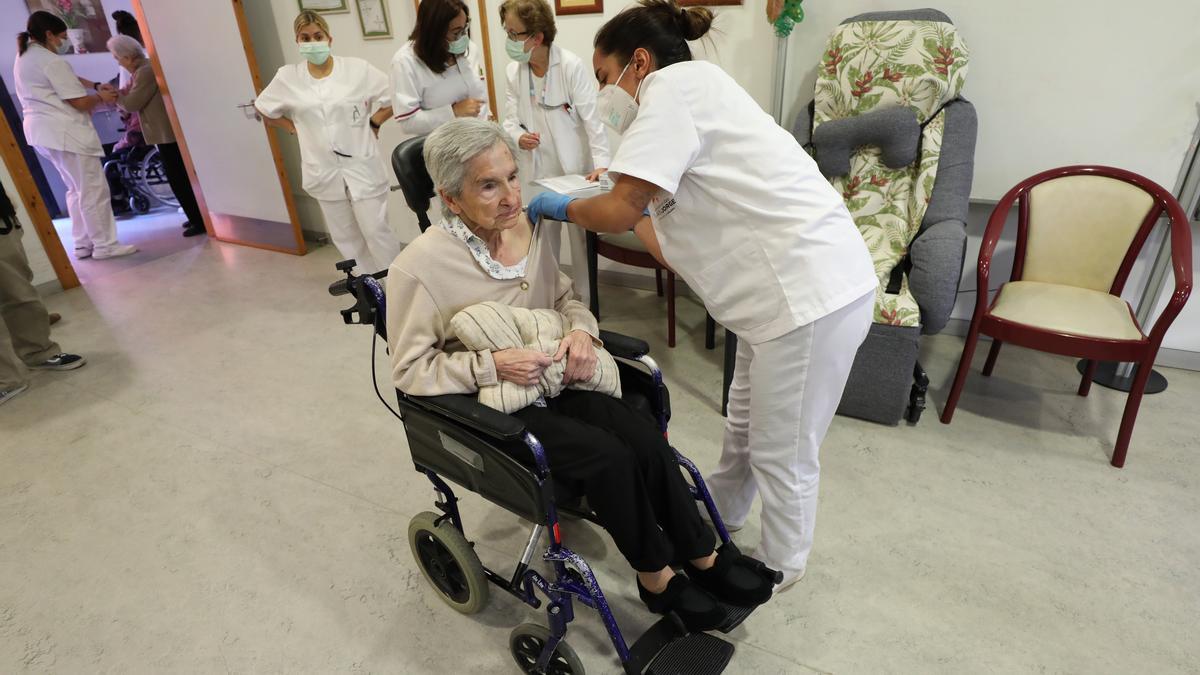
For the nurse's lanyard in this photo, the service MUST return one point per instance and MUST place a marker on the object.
(534, 100)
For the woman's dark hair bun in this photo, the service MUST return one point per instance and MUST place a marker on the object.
(694, 22)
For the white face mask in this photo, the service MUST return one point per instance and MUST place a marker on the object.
(616, 107)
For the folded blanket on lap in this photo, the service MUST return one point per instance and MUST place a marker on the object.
(493, 327)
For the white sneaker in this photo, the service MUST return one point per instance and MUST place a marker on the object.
(114, 252)
(82, 252)
(9, 394)
(790, 577)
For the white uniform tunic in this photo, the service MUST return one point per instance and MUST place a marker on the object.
(422, 99)
(342, 166)
(745, 217)
(333, 125)
(561, 108)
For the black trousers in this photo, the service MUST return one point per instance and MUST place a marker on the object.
(623, 464)
(181, 185)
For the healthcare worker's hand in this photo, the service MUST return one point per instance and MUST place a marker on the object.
(581, 357)
(520, 366)
(468, 107)
(595, 175)
(550, 205)
(529, 141)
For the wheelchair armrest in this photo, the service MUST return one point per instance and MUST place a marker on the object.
(623, 346)
(471, 413)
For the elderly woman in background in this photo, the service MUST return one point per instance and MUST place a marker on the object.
(143, 98)
(487, 250)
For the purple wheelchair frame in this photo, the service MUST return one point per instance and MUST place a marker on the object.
(573, 577)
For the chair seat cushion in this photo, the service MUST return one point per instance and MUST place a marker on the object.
(1066, 309)
(626, 240)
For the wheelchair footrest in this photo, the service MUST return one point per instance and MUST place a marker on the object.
(734, 616)
(669, 649)
(696, 654)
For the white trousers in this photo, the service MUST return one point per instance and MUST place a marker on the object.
(577, 241)
(88, 200)
(781, 401)
(360, 230)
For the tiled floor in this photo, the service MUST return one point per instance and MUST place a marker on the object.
(157, 234)
(220, 491)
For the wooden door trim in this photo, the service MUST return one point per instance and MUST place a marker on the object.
(28, 194)
(239, 12)
(487, 56)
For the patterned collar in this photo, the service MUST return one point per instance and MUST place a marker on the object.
(479, 250)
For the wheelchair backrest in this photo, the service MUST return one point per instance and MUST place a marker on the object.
(408, 162)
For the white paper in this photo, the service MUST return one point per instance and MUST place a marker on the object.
(567, 184)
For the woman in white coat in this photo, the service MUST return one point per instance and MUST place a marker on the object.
(335, 106)
(436, 75)
(744, 216)
(550, 111)
(56, 107)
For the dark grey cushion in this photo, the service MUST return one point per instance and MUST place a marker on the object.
(956, 165)
(937, 261)
(895, 130)
(926, 14)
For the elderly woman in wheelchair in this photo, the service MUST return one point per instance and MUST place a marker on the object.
(571, 444)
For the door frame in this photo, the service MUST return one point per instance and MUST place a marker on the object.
(29, 195)
(252, 62)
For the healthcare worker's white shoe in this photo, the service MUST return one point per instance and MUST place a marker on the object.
(82, 252)
(114, 252)
(790, 577)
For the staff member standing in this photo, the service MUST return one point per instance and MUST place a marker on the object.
(744, 216)
(335, 106)
(143, 99)
(550, 110)
(436, 75)
(55, 104)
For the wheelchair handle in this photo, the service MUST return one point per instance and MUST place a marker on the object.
(342, 286)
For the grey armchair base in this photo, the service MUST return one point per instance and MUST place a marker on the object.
(881, 380)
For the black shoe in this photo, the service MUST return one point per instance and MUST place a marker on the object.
(61, 362)
(697, 609)
(187, 224)
(731, 579)
(194, 230)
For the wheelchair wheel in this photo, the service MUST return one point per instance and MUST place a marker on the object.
(152, 179)
(448, 562)
(139, 202)
(526, 643)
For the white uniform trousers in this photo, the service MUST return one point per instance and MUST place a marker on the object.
(360, 230)
(88, 200)
(781, 401)
(577, 241)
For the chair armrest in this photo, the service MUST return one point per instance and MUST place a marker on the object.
(937, 261)
(623, 346)
(471, 413)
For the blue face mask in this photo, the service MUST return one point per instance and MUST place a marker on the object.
(64, 46)
(516, 50)
(316, 52)
(459, 47)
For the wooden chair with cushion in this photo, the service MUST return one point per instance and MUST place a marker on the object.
(1079, 231)
(627, 249)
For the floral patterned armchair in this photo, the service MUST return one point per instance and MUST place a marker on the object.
(888, 127)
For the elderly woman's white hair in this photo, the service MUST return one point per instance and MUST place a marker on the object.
(453, 145)
(123, 46)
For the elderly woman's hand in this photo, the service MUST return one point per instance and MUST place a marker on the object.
(580, 351)
(520, 366)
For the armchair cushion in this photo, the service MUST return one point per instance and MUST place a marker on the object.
(936, 256)
(626, 240)
(1066, 309)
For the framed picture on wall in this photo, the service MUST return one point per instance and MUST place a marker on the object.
(325, 6)
(87, 25)
(562, 7)
(709, 3)
(373, 18)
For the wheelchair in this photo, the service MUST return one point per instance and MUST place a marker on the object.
(138, 171)
(455, 439)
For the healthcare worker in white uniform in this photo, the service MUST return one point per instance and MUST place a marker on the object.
(746, 219)
(437, 75)
(335, 105)
(550, 111)
(56, 107)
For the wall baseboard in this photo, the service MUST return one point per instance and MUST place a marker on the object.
(1168, 358)
(48, 288)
